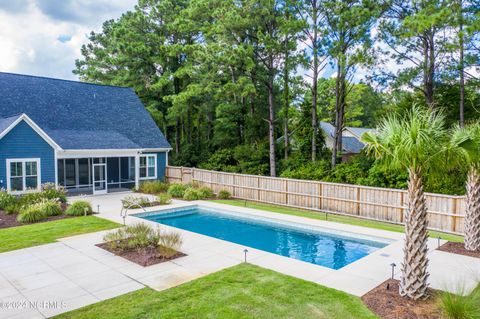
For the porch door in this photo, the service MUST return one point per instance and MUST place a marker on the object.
(99, 173)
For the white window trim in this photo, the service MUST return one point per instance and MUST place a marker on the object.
(23, 160)
(146, 161)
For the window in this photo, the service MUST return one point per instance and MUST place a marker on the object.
(148, 166)
(23, 175)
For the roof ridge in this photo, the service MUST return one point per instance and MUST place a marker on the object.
(65, 80)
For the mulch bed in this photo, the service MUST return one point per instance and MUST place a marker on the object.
(458, 248)
(7, 221)
(144, 257)
(388, 304)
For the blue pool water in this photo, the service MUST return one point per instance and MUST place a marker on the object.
(320, 248)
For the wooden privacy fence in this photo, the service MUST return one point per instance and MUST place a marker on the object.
(445, 212)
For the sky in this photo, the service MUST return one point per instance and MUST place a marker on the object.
(44, 37)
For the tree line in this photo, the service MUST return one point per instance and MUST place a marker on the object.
(244, 83)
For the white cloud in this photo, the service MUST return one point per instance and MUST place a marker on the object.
(42, 38)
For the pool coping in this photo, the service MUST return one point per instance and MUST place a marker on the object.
(356, 278)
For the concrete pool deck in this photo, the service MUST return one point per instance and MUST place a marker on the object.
(77, 273)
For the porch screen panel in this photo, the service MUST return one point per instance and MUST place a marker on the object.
(70, 174)
(83, 172)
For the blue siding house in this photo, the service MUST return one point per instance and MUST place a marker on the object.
(86, 137)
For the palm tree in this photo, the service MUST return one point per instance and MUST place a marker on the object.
(468, 141)
(413, 142)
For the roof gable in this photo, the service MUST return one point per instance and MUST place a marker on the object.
(80, 115)
(15, 120)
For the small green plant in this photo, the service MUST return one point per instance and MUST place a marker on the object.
(224, 194)
(169, 243)
(191, 194)
(6, 200)
(79, 208)
(460, 306)
(32, 214)
(135, 201)
(164, 199)
(177, 190)
(205, 192)
(51, 207)
(153, 187)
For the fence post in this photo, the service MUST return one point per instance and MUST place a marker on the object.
(286, 191)
(181, 174)
(358, 200)
(258, 188)
(454, 212)
(320, 192)
(402, 194)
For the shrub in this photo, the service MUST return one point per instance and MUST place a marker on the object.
(460, 306)
(7, 200)
(153, 187)
(191, 194)
(132, 237)
(78, 208)
(32, 214)
(205, 192)
(50, 192)
(13, 208)
(177, 190)
(51, 207)
(169, 243)
(30, 198)
(224, 194)
(164, 199)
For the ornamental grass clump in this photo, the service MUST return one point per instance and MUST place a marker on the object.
(79, 208)
(164, 199)
(142, 236)
(177, 190)
(153, 187)
(32, 214)
(51, 207)
(191, 194)
(224, 194)
(459, 305)
(205, 192)
(7, 200)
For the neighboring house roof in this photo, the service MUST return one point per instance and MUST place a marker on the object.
(350, 144)
(359, 131)
(79, 115)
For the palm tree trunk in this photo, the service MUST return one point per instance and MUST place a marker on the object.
(413, 283)
(472, 210)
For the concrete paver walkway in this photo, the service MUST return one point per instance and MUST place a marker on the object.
(74, 272)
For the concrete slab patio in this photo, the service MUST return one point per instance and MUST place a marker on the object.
(74, 272)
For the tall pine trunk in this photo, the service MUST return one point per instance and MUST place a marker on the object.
(271, 119)
(414, 278)
(340, 92)
(314, 80)
(461, 67)
(472, 210)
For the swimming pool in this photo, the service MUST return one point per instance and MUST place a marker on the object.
(314, 245)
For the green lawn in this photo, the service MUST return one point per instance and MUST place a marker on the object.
(48, 232)
(243, 291)
(331, 217)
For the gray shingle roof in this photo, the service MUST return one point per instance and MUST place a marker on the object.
(80, 115)
(6, 122)
(359, 131)
(350, 144)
